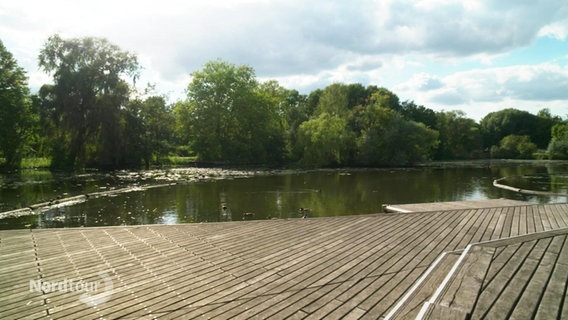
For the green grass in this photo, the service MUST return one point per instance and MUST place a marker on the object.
(31, 163)
(181, 161)
(36, 163)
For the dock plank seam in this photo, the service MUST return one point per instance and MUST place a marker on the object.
(361, 270)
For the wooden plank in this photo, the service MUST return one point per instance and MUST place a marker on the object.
(288, 289)
(555, 292)
(523, 223)
(357, 266)
(398, 240)
(452, 205)
(508, 226)
(516, 223)
(498, 225)
(494, 285)
(552, 220)
(470, 275)
(348, 314)
(523, 238)
(304, 300)
(503, 300)
(469, 227)
(561, 214)
(531, 222)
(532, 294)
(443, 312)
(543, 218)
(414, 243)
(383, 302)
(481, 228)
(409, 306)
(489, 230)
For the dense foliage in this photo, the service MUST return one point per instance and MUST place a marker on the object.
(558, 146)
(85, 102)
(16, 116)
(91, 115)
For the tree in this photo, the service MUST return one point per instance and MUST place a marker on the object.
(16, 118)
(357, 95)
(558, 150)
(158, 124)
(414, 112)
(293, 111)
(514, 147)
(545, 121)
(560, 131)
(334, 100)
(386, 99)
(325, 141)
(497, 125)
(460, 137)
(231, 118)
(182, 125)
(86, 98)
(389, 139)
(558, 146)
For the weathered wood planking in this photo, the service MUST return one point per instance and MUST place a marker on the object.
(451, 205)
(522, 277)
(339, 267)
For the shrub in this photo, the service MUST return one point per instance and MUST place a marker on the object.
(514, 147)
(558, 150)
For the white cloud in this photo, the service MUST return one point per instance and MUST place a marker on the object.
(304, 44)
(557, 30)
(422, 82)
(527, 87)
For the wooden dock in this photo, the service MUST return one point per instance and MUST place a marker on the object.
(488, 262)
(452, 205)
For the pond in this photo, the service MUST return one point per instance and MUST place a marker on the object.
(210, 195)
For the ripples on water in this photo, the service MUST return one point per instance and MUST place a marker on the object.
(206, 195)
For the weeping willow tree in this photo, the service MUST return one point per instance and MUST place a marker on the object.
(86, 99)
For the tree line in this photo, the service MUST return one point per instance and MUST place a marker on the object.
(91, 115)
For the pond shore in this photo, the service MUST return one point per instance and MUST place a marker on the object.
(434, 181)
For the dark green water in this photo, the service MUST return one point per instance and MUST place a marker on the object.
(216, 197)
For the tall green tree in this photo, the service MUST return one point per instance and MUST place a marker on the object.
(158, 125)
(334, 100)
(231, 118)
(389, 139)
(460, 137)
(295, 112)
(326, 141)
(16, 117)
(182, 126)
(497, 125)
(558, 146)
(89, 88)
(386, 99)
(414, 112)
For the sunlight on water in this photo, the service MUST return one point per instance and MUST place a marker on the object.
(266, 195)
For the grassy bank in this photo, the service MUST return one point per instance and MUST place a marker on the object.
(31, 163)
(45, 163)
(180, 161)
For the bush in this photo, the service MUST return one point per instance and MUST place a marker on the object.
(558, 150)
(514, 147)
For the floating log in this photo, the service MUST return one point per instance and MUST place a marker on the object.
(526, 191)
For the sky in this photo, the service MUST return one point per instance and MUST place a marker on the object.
(477, 56)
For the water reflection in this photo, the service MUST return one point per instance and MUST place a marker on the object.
(325, 193)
